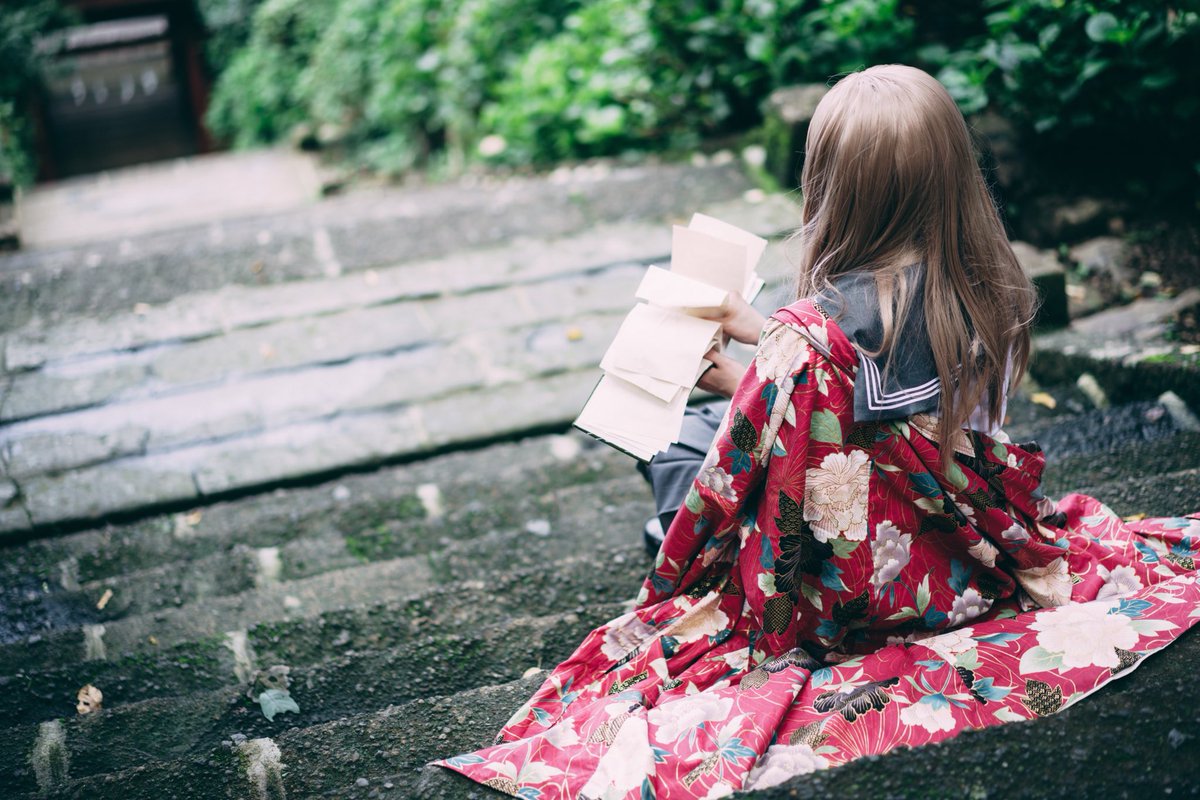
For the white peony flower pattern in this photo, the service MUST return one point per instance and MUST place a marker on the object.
(835, 496)
(1118, 582)
(718, 481)
(624, 634)
(984, 552)
(967, 606)
(889, 553)
(932, 712)
(1049, 585)
(783, 762)
(1085, 634)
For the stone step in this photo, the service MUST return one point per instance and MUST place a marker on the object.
(360, 230)
(307, 762)
(522, 261)
(32, 694)
(309, 452)
(240, 567)
(1105, 470)
(575, 521)
(359, 348)
(431, 665)
(467, 482)
(381, 522)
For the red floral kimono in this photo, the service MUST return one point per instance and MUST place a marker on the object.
(829, 592)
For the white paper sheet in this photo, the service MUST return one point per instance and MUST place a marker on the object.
(708, 259)
(755, 245)
(661, 343)
(661, 287)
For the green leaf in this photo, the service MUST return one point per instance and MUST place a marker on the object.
(1102, 27)
(843, 547)
(968, 659)
(276, 701)
(693, 501)
(956, 477)
(826, 427)
(923, 595)
(812, 595)
(905, 613)
(1039, 659)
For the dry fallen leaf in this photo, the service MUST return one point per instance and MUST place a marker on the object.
(1044, 399)
(89, 699)
(152, 639)
(104, 598)
(1134, 517)
(574, 334)
(193, 517)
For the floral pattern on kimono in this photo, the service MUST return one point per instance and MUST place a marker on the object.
(831, 590)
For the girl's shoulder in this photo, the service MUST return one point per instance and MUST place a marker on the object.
(808, 318)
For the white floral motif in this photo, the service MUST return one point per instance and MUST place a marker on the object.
(968, 605)
(984, 552)
(1118, 582)
(703, 619)
(967, 511)
(625, 764)
(718, 481)
(782, 762)
(890, 552)
(835, 496)
(1016, 533)
(951, 643)
(624, 634)
(775, 359)
(1049, 585)
(1086, 634)
(675, 718)
(931, 712)
(563, 735)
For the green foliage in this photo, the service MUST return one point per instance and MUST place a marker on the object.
(584, 92)
(404, 81)
(21, 24)
(228, 24)
(1065, 66)
(484, 42)
(260, 96)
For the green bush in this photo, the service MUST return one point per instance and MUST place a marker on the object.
(260, 95)
(21, 25)
(634, 73)
(585, 92)
(486, 39)
(1106, 88)
(228, 25)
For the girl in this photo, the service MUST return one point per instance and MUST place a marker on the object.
(864, 560)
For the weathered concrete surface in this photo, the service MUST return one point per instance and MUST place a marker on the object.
(221, 392)
(133, 202)
(358, 231)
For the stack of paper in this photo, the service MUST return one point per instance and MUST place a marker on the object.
(658, 353)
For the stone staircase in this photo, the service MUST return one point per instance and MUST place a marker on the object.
(179, 535)
(412, 620)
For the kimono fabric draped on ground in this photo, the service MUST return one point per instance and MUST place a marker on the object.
(830, 591)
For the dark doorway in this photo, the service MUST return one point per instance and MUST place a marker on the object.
(124, 88)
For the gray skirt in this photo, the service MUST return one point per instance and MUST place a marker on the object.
(672, 471)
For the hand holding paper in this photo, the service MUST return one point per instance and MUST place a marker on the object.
(659, 351)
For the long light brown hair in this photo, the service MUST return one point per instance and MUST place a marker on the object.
(891, 178)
